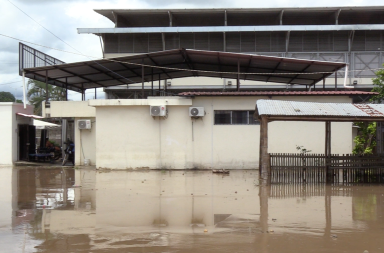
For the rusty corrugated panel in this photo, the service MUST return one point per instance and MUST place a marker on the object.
(294, 108)
(369, 110)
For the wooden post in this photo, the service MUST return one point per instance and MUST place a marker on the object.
(264, 168)
(328, 173)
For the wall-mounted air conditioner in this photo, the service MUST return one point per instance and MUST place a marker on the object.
(84, 124)
(196, 111)
(158, 110)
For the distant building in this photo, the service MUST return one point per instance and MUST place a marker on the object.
(346, 34)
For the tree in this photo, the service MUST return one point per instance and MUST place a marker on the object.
(8, 97)
(378, 83)
(37, 94)
(366, 137)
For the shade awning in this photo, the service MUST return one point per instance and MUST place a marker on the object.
(45, 125)
(181, 63)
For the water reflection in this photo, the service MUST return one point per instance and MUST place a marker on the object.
(66, 210)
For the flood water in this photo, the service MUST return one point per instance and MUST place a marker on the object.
(84, 210)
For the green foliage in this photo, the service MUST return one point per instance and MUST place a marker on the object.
(366, 138)
(8, 97)
(37, 93)
(378, 83)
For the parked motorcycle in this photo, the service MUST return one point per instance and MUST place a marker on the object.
(69, 152)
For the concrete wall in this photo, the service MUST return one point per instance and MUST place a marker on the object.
(128, 137)
(69, 109)
(9, 130)
(85, 142)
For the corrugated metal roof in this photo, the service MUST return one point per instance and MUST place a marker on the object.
(293, 108)
(179, 63)
(277, 93)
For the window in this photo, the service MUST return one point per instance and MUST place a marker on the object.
(228, 117)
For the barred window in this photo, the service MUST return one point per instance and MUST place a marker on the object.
(227, 117)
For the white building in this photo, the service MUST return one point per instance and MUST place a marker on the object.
(16, 132)
(124, 135)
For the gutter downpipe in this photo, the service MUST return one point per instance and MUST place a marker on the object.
(345, 79)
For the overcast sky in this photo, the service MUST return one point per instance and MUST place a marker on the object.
(62, 17)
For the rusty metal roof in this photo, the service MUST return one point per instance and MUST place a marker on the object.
(181, 63)
(294, 108)
(277, 93)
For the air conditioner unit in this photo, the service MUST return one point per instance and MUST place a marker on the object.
(229, 83)
(84, 124)
(158, 110)
(196, 111)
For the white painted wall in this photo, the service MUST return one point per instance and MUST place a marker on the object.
(9, 128)
(128, 137)
(85, 142)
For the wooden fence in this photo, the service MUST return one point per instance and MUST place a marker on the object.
(295, 168)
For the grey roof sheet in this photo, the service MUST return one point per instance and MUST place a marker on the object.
(294, 108)
(181, 63)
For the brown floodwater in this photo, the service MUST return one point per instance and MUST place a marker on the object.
(84, 210)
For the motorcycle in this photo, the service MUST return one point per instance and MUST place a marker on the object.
(69, 152)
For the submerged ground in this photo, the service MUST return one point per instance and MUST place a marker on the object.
(84, 210)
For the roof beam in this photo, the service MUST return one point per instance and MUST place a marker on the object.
(130, 69)
(106, 73)
(81, 76)
(188, 61)
(272, 28)
(323, 118)
(290, 81)
(162, 70)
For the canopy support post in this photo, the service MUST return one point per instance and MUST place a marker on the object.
(66, 89)
(238, 75)
(323, 82)
(152, 81)
(336, 81)
(159, 85)
(142, 79)
(24, 95)
(46, 86)
(95, 94)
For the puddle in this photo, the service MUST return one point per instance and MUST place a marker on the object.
(67, 210)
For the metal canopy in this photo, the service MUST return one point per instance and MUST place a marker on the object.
(181, 63)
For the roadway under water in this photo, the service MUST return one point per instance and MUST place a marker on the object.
(84, 210)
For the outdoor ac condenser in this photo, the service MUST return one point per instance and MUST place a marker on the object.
(196, 111)
(84, 124)
(158, 110)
